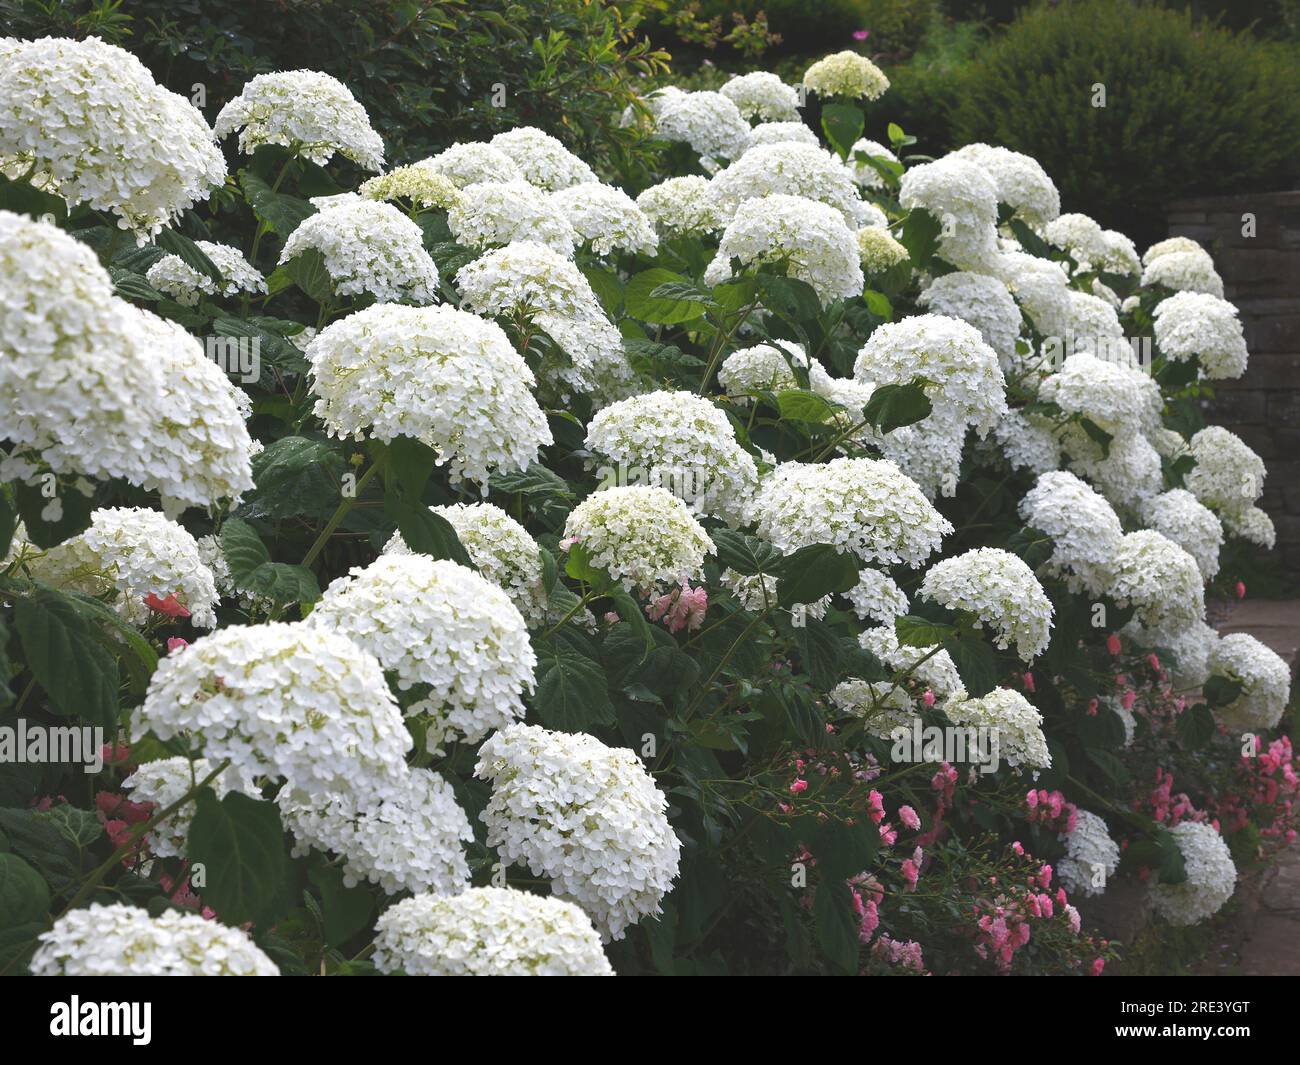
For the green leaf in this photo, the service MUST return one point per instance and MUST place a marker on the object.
(35, 838)
(843, 850)
(24, 895)
(1221, 691)
(837, 925)
(976, 664)
(893, 406)
(644, 299)
(1171, 866)
(297, 477)
(812, 572)
(550, 570)
(630, 611)
(8, 521)
(307, 271)
(77, 672)
(878, 304)
(240, 842)
(132, 286)
(281, 213)
(1098, 435)
(571, 694)
(920, 236)
(1196, 726)
(607, 286)
(819, 647)
(747, 555)
(347, 910)
(842, 124)
(914, 631)
(799, 405)
(253, 572)
(425, 532)
(32, 501)
(190, 253)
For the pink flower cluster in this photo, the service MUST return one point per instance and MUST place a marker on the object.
(1051, 810)
(682, 608)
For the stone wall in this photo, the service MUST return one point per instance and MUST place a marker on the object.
(1261, 275)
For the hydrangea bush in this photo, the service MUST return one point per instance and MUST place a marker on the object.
(786, 564)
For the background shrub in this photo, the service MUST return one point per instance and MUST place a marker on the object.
(1190, 109)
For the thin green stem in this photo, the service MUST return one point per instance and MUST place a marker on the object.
(337, 517)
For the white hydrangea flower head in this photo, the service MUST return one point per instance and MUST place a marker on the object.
(121, 940)
(304, 109)
(1082, 237)
(501, 548)
(1193, 527)
(1172, 244)
(100, 131)
(1090, 855)
(1010, 717)
(420, 183)
(876, 597)
(165, 782)
(1265, 679)
(865, 507)
(1129, 476)
(411, 841)
(681, 206)
(1184, 271)
(469, 163)
(526, 277)
(1115, 397)
(1157, 577)
(764, 96)
(174, 277)
(929, 451)
(437, 623)
(788, 168)
(878, 250)
(488, 931)
(491, 213)
(543, 160)
(1094, 327)
(764, 367)
(846, 74)
(1197, 324)
(999, 590)
(435, 374)
(1228, 475)
(137, 553)
(814, 239)
(921, 668)
(605, 218)
(1250, 524)
(866, 175)
(1027, 442)
(1121, 254)
(1039, 286)
(641, 535)
(962, 198)
(1211, 876)
(1084, 528)
(682, 442)
(708, 121)
(781, 133)
(369, 246)
(599, 364)
(286, 701)
(981, 301)
(882, 707)
(1192, 646)
(1169, 443)
(962, 372)
(588, 816)
(1020, 181)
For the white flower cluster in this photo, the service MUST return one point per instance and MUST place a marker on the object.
(962, 198)
(411, 841)
(491, 213)
(90, 118)
(1090, 855)
(1020, 180)
(488, 931)
(1178, 515)
(588, 816)
(312, 113)
(1211, 876)
(435, 622)
(1119, 399)
(861, 506)
(764, 367)
(642, 535)
(542, 159)
(420, 183)
(1000, 591)
(605, 218)
(788, 168)
(435, 374)
(926, 666)
(1182, 268)
(1251, 524)
(980, 300)
(846, 74)
(683, 443)
(1040, 287)
(813, 238)
(883, 707)
(781, 133)
(526, 277)
(1192, 646)
(1157, 577)
(1264, 676)
(469, 163)
(283, 701)
(1197, 324)
(165, 782)
(120, 940)
(878, 251)
(1228, 476)
(928, 451)
(1011, 718)
(173, 276)
(708, 121)
(1083, 527)
(865, 174)
(501, 548)
(1028, 442)
(876, 597)
(763, 95)
(369, 246)
(137, 553)
(961, 371)
(1128, 476)
(681, 206)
